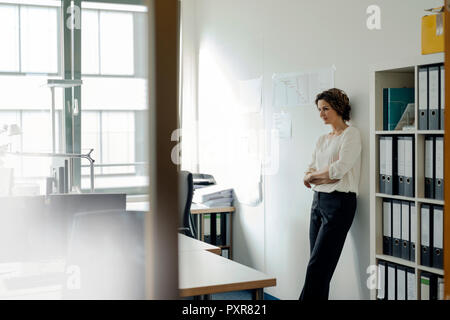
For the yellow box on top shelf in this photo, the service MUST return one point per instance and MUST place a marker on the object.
(433, 31)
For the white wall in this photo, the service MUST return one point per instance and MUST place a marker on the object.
(244, 39)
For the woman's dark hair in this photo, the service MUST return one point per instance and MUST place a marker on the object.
(338, 100)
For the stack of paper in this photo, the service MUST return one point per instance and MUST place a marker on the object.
(214, 196)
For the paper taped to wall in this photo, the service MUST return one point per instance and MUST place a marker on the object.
(300, 88)
(250, 95)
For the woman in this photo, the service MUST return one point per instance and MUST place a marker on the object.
(334, 171)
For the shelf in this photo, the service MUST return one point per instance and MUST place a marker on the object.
(396, 260)
(409, 264)
(398, 74)
(431, 201)
(407, 132)
(391, 196)
(430, 131)
(421, 200)
(431, 270)
(391, 132)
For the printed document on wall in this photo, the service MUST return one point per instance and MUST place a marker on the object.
(250, 95)
(300, 88)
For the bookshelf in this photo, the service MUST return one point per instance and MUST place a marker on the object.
(391, 75)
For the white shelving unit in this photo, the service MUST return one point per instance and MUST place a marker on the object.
(391, 75)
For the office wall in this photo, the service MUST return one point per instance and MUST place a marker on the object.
(239, 40)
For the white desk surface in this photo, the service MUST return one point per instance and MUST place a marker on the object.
(200, 272)
(186, 243)
(203, 272)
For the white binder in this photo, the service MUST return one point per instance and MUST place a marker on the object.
(423, 98)
(401, 283)
(440, 282)
(424, 287)
(411, 285)
(391, 282)
(409, 168)
(387, 228)
(413, 230)
(381, 281)
(425, 227)
(396, 228)
(405, 230)
(439, 174)
(429, 164)
(438, 231)
(433, 96)
(389, 164)
(401, 165)
(382, 164)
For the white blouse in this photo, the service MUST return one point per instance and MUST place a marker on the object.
(342, 154)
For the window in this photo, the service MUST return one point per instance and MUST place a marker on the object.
(9, 38)
(108, 46)
(30, 46)
(39, 39)
(113, 95)
(29, 37)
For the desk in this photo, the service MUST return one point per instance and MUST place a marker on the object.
(186, 244)
(199, 209)
(205, 273)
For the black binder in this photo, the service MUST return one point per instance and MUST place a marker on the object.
(438, 237)
(439, 168)
(382, 164)
(405, 245)
(413, 231)
(387, 227)
(409, 182)
(213, 228)
(429, 166)
(433, 97)
(426, 243)
(400, 172)
(423, 98)
(391, 165)
(396, 228)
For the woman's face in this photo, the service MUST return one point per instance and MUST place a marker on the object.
(327, 113)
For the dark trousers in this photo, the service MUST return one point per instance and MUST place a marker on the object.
(331, 217)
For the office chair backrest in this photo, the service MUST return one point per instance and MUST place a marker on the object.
(186, 192)
(108, 249)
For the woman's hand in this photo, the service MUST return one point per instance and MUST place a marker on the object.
(306, 179)
(319, 181)
(320, 177)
